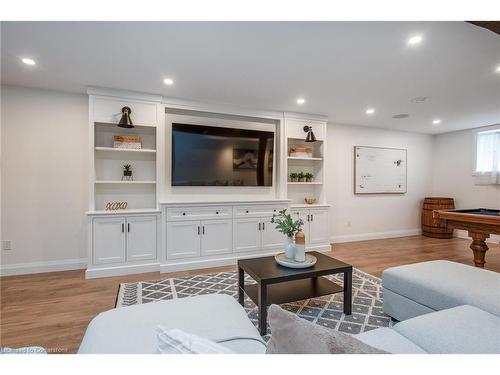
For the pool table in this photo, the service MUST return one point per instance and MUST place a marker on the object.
(479, 222)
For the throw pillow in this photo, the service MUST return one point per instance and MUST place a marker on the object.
(293, 335)
(175, 341)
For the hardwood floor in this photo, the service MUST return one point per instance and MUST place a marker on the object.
(53, 309)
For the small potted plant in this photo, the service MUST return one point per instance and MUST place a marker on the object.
(127, 172)
(301, 176)
(289, 227)
(293, 177)
(309, 177)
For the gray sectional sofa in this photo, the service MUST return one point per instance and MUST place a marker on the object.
(421, 288)
(444, 307)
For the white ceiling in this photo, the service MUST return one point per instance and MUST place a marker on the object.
(340, 68)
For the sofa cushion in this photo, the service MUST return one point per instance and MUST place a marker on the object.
(132, 329)
(443, 284)
(293, 335)
(389, 340)
(459, 330)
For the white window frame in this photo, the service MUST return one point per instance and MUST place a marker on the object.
(480, 177)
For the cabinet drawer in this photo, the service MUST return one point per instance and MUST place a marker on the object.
(198, 213)
(257, 211)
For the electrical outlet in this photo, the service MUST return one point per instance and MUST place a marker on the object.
(6, 245)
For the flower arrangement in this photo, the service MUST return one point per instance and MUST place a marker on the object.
(285, 223)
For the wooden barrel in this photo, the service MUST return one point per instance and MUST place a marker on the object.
(430, 226)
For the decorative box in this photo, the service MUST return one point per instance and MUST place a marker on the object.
(127, 141)
(301, 152)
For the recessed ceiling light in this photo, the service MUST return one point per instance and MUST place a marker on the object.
(301, 101)
(168, 81)
(416, 39)
(370, 111)
(401, 116)
(436, 121)
(28, 61)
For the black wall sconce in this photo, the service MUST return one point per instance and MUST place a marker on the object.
(125, 121)
(310, 135)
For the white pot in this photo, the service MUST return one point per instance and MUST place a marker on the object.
(300, 253)
(290, 248)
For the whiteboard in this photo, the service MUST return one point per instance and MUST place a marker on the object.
(379, 170)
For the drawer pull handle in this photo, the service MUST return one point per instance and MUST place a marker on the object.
(312, 217)
(198, 230)
(263, 226)
(259, 226)
(128, 227)
(123, 228)
(308, 217)
(203, 229)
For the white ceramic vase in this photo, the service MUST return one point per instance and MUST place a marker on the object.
(290, 248)
(300, 253)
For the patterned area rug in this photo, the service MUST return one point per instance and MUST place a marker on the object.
(367, 296)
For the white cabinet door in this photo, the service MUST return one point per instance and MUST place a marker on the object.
(318, 227)
(216, 237)
(246, 234)
(141, 238)
(183, 239)
(304, 215)
(271, 238)
(108, 240)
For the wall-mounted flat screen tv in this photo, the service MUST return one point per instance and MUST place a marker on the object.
(217, 156)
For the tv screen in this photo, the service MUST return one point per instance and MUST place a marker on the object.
(217, 156)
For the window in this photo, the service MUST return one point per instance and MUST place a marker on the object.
(488, 155)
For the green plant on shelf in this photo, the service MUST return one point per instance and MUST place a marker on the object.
(127, 170)
(309, 177)
(293, 177)
(285, 224)
(301, 176)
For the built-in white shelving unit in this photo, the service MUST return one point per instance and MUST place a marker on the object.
(109, 186)
(197, 227)
(295, 136)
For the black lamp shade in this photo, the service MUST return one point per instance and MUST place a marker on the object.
(310, 135)
(125, 121)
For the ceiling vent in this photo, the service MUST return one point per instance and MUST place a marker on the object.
(401, 115)
(419, 99)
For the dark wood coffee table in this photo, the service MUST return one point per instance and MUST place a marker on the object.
(277, 284)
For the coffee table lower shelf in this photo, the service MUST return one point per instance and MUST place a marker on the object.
(295, 290)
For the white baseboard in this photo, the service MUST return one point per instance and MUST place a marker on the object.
(40, 267)
(375, 235)
(93, 273)
(464, 234)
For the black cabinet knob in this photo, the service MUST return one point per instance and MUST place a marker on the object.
(247, 211)
(183, 214)
(216, 212)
